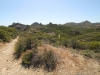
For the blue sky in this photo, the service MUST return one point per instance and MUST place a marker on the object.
(45, 11)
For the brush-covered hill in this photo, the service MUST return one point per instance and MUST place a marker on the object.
(37, 43)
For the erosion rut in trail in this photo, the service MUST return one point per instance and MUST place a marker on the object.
(70, 64)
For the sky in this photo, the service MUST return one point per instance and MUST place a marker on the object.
(45, 11)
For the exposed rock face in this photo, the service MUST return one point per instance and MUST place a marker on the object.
(86, 23)
(19, 26)
(35, 24)
(23, 27)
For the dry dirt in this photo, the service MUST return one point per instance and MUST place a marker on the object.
(70, 63)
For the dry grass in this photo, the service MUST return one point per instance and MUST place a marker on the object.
(72, 63)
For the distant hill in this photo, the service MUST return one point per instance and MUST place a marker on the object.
(23, 27)
(36, 25)
(84, 23)
(19, 26)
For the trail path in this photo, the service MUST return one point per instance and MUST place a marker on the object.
(71, 64)
(9, 66)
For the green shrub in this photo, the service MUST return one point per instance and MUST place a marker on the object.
(65, 43)
(19, 49)
(23, 44)
(74, 44)
(50, 62)
(26, 60)
(29, 42)
(94, 45)
(6, 34)
(37, 60)
(46, 59)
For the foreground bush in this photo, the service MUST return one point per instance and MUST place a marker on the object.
(6, 34)
(46, 60)
(50, 62)
(26, 60)
(23, 44)
(37, 60)
(19, 47)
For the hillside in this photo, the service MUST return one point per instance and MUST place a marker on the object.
(69, 63)
(52, 49)
(84, 36)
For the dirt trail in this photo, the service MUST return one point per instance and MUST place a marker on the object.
(70, 64)
(9, 66)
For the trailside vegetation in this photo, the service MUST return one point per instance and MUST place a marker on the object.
(7, 33)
